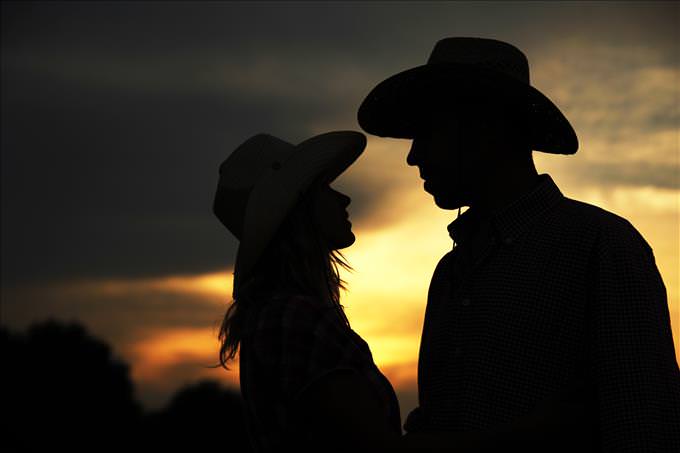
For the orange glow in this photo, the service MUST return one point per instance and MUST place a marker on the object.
(393, 264)
(217, 285)
(156, 355)
(387, 291)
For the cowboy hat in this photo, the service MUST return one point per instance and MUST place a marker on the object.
(459, 72)
(264, 177)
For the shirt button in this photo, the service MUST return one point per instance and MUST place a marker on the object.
(465, 302)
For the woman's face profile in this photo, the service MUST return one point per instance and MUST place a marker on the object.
(331, 216)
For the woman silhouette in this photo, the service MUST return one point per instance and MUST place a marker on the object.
(286, 322)
(308, 380)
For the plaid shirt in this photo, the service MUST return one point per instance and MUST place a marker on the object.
(290, 343)
(545, 294)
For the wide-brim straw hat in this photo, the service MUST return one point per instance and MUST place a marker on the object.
(461, 71)
(264, 178)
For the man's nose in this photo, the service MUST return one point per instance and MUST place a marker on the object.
(413, 156)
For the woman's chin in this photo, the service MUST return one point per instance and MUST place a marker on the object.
(347, 241)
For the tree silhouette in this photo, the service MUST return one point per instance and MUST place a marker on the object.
(200, 415)
(63, 389)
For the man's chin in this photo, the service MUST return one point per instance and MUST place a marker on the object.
(448, 202)
(443, 200)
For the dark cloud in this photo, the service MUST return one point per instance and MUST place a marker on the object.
(641, 173)
(103, 183)
(394, 33)
(110, 183)
(115, 116)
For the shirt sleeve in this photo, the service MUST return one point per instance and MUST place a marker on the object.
(634, 362)
(297, 343)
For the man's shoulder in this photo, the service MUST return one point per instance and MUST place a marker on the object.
(581, 210)
(609, 226)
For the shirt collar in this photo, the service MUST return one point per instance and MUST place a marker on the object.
(510, 221)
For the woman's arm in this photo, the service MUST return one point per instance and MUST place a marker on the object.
(343, 412)
(345, 415)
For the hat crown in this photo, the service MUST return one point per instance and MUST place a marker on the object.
(483, 53)
(252, 160)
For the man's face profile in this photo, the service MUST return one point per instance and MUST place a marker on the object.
(449, 154)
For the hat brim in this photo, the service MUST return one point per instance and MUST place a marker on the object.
(321, 158)
(397, 105)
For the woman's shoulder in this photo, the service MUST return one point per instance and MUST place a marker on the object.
(298, 331)
(293, 312)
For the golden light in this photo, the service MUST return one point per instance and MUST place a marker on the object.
(217, 284)
(393, 263)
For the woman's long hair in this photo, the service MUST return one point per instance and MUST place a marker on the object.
(298, 260)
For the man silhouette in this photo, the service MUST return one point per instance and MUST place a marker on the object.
(545, 303)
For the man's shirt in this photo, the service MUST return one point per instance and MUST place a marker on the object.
(546, 294)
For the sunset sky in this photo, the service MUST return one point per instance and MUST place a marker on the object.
(116, 116)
